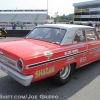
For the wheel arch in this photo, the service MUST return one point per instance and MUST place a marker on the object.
(59, 80)
(74, 64)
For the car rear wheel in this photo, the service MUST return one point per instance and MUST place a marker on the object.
(63, 76)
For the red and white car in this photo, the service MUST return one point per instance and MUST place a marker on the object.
(50, 50)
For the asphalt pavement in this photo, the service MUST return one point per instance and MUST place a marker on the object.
(84, 85)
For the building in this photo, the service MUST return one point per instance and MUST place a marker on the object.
(87, 11)
(49, 21)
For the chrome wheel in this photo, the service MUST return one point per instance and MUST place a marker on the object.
(65, 71)
(64, 74)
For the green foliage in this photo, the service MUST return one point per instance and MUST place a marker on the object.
(48, 17)
(18, 22)
(63, 18)
(71, 22)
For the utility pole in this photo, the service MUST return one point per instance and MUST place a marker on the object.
(47, 7)
(56, 16)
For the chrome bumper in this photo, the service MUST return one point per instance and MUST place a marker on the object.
(24, 80)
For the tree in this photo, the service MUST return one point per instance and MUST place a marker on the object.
(64, 18)
(48, 17)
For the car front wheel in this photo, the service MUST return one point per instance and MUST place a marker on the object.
(64, 75)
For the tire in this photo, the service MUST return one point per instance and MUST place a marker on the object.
(63, 76)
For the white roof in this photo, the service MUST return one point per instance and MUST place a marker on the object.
(64, 26)
(71, 29)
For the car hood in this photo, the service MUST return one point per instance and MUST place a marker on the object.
(25, 46)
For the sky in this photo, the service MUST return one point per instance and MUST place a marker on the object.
(60, 6)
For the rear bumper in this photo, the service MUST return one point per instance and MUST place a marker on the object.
(24, 80)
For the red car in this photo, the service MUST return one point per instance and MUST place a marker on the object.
(50, 50)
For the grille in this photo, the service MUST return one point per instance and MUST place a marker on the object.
(8, 61)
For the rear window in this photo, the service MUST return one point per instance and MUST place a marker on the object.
(90, 35)
(54, 35)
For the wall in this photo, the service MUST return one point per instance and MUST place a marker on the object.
(17, 33)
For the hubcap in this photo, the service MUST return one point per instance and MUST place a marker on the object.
(65, 71)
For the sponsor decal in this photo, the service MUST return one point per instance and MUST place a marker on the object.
(83, 59)
(71, 52)
(67, 47)
(48, 54)
(98, 46)
(44, 72)
(91, 52)
(96, 54)
(70, 59)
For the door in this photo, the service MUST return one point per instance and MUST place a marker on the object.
(80, 39)
(93, 45)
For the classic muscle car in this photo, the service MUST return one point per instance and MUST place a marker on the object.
(50, 50)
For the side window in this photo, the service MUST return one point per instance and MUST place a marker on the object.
(80, 36)
(90, 35)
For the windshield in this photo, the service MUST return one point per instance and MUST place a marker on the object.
(54, 35)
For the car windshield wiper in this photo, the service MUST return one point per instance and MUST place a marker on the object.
(44, 40)
(56, 42)
(40, 39)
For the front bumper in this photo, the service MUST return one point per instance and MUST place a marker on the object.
(24, 80)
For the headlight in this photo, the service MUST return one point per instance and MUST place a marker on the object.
(20, 65)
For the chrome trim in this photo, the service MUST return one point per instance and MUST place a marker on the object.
(27, 67)
(8, 61)
(22, 65)
(87, 50)
(65, 71)
(24, 80)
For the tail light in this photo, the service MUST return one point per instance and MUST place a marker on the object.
(20, 65)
